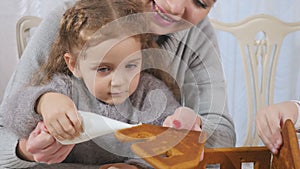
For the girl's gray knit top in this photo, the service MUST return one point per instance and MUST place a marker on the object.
(194, 62)
(151, 103)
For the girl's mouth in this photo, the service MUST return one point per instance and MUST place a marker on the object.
(161, 15)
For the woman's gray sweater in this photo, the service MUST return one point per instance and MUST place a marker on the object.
(194, 62)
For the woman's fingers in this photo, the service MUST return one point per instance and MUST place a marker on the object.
(269, 129)
(37, 142)
(265, 137)
(59, 155)
(275, 129)
(44, 147)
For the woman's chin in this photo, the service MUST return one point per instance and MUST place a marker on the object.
(163, 30)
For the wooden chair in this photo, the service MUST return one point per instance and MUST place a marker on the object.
(259, 56)
(23, 27)
(232, 158)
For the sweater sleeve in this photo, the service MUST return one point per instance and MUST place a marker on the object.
(21, 119)
(9, 159)
(162, 98)
(20, 116)
(33, 56)
(297, 123)
(8, 156)
(154, 100)
(197, 66)
(207, 70)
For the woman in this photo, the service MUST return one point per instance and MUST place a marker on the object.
(196, 64)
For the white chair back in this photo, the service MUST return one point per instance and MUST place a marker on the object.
(23, 27)
(259, 58)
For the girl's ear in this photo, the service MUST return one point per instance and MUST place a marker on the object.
(71, 63)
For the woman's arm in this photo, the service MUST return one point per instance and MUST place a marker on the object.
(197, 67)
(33, 56)
(19, 118)
(19, 109)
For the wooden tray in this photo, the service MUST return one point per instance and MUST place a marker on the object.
(232, 158)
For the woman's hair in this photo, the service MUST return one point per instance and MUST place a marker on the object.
(90, 22)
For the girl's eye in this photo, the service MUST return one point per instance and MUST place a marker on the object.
(131, 66)
(200, 3)
(103, 69)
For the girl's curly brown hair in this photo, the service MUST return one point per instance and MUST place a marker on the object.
(79, 25)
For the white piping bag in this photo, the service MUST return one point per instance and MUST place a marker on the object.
(95, 125)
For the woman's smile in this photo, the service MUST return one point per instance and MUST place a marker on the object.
(161, 15)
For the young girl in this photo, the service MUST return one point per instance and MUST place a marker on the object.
(99, 50)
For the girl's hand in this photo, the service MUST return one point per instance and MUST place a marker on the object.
(184, 118)
(42, 147)
(269, 121)
(118, 166)
(60, 115)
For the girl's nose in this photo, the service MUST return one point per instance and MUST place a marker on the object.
(176, 7)
(116, 80)
(119, 78)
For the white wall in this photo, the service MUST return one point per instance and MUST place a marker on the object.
(288, 70)
(8, 49)
(10, 12)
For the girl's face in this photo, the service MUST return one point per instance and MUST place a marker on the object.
(174, 15)
(111, 70)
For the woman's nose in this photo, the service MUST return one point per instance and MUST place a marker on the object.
(176, 7)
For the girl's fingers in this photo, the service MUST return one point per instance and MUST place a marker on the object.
(67, 127)
(57, 131)
(202, 155)
(53, 130)
(168, 121)
(76, 121)
(186, 116)
(196, 127)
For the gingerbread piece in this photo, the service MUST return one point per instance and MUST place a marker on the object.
(164, 147)
(140, 132)
(289, 155)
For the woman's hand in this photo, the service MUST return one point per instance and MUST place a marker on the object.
(183, 118)
(42, 147)
(118, 166)
(269, 121)
(60, 115)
